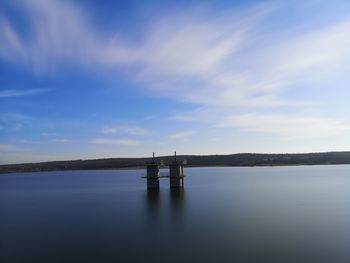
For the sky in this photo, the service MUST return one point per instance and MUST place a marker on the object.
(91, 79)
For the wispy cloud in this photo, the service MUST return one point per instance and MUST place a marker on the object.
(56, 28)
(14, 121)
(134, 130)
(61, 140)
(127, 129)
(109, 130)
(149, 118)
(25, 141)
(287, 126)
(10, 117)
(20, 93)
(114, 141)
(48, 134)
(182, 135)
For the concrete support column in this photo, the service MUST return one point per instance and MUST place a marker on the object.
(152, 176)
(176, 175)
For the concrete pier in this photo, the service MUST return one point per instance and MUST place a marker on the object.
(176, 174)
(153, 175)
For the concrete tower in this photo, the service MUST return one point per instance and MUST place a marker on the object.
(153, 175)
(176, 174)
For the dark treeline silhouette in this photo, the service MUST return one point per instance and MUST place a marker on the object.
(241, 159)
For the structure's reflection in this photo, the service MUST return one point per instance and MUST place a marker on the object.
(153, 205)
(177, 203)
(165, 208)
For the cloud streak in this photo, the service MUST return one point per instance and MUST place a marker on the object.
(109, 130)
(61, 140)
(106, 141)
(287, 126)
(126, 129)
(20, 93)
(14, 121)
(182, 135)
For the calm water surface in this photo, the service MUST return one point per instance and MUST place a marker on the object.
(275, 214)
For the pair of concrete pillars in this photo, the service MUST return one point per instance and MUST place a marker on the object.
(176, 175)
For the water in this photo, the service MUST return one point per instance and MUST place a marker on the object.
(274, 214)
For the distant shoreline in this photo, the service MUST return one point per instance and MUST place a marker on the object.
(165, 167)
(231, 160)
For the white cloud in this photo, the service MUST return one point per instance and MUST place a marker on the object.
(14, 117)
(290, 126)
(149, 118)
(134, 130)
(114, 141)
(25, 141)
(131, 130)
(11, 45)
(48, 134)
(182, 135)
(20, 93)
(61, 140)
(14, 121)
(109, 130)
(55, 28)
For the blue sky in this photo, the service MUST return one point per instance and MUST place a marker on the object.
(90, 79)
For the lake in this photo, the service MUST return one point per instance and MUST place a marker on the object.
(253, 214)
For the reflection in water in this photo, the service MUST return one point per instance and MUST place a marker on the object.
(153, 205)
(169, 203)
(177, 206)
(177, 200)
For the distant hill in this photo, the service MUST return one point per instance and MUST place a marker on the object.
(241, 159)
